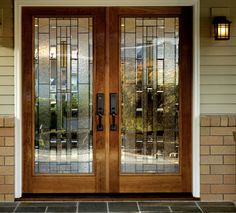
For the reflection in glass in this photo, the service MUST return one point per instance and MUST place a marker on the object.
(63, 95)
(149, 85)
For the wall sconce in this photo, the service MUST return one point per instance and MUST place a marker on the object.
(221, 28)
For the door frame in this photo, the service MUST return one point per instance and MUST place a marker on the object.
(70, 3)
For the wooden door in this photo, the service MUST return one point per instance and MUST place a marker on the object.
(106, 96)
(63, 67)
(151, 73)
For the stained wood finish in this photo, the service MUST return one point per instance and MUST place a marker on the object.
(61, 183)
(153, 182)
(107, 177)
(114, 76)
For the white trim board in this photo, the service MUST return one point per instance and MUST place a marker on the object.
(68, 3)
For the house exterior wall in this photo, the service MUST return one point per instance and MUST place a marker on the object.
(218, 96)
(218, 62)
(6, 58)
(7, 158)
(218, 106)
(218, 157)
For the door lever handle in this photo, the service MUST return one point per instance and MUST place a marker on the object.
(100, 110)
(113, 122)
(99, 125)
(113, 111)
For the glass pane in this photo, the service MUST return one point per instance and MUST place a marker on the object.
(150, 100)
(63, 95)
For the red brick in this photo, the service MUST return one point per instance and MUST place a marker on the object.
(1, 122)
(2, 162)
(232, 120)
(205, 169)
(205, 121)
(1, 180)
(205, 188)
(6, 131)
(215, 120)
(6, 189)
(9, 179)
(230, 197)
(211, 197)
(2, 198)
(224, 121)
(205, 150)
(2, 143)
(223, 189)
(9, 122)
(230, 159)
(229, 140)
(6, 170)
(6, 151)
(223, 169)
(9, 161)
(211, 179)
(230, 179)
(9, 197)
(222, 150)
(222, 130)
(211, 140)
(211, 160)
(205, 130)
(9, 141)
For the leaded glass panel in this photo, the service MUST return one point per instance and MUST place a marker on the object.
(63, 95)
(149, 85)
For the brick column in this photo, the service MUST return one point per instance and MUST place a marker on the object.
(6, 158)
(218, 158)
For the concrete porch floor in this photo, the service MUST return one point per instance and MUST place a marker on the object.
(128, 206)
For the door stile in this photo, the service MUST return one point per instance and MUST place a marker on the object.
(186, 76)
(114, 76)
(27, 108)
(100, 87)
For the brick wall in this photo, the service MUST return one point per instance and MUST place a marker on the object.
(218, 158)
(6, 158)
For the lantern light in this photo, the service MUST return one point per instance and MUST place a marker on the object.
(221, 28)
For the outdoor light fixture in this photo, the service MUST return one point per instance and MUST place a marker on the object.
(221, 28)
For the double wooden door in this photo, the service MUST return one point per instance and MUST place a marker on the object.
(107, 99)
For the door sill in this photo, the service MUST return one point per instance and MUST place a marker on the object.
(105, 196)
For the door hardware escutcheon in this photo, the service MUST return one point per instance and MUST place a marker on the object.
(100, 110)
(113, 111)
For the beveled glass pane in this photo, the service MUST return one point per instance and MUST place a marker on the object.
(150, 100)
(43, 25)
(44, 58)
(129, 25)
(83, 58)
(63, 95)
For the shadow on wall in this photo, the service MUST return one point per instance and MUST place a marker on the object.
(7, 24)
(234, 133)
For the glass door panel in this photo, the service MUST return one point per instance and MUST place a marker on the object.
(63, 54)
(150, 95)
